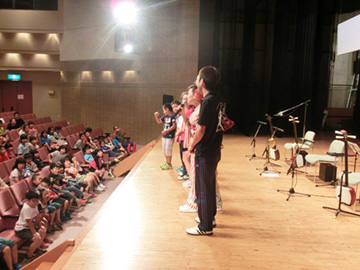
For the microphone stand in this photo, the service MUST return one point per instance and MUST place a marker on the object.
(253, 142)
(292, 168)
(306, 103)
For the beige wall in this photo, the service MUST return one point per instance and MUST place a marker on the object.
(42, 82)
(36, 21)
(169, 63)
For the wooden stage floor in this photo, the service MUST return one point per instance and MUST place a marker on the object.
(140, 226)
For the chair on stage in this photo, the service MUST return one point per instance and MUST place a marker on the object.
(336, 150)
(306, 143)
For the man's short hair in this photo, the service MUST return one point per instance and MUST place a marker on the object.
(211, 77)
(62, 147)
(27, 155)
(46, 180)
(23, 137)
(53, 165)
(32, 194)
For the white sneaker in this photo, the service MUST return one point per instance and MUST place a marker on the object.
(196, 231)
(98, 188)
(102, 186)
(197, 219)
(187, 184)
(185, 208)
(183, 177)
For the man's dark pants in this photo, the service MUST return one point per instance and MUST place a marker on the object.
(205, 189)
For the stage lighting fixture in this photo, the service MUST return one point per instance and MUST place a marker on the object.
(128, 48)
(125, 13)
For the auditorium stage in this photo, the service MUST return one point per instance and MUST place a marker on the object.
(140, 226)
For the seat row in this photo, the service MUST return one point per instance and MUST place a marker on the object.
(14, 133)
(7, 116)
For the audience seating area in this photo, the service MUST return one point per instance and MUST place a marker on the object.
(13, 198)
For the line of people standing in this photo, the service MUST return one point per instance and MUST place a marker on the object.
(198, 120)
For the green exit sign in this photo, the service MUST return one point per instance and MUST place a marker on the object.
(14, 77)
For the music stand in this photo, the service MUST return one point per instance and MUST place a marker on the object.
(355, 148)
(343, 135)
(253, 142)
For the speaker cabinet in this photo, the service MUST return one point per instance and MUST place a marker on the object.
(327, 172)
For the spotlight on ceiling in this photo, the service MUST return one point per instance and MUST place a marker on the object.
(125, 13)
(128, 48)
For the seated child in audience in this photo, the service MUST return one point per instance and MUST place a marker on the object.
(32, 130)
(23, 147)
(81, 142)
(3, 131)
(3, 185)
(9, 251)
(58, 198)
(88, 139)
(119, 135)
(30, 166)
(50, 133)
(57, 133)
(49, 210)
(10, 150)
(33, 144)
(44, 139)
(3, 140)
(71, 182)
(53, 146)
(25, 130)
(58, 155)
(98, 166)
(36, 180)
(112, 152)
(18, 172)
(3, 154)
(118, 147)
(90, 179)
(36, 159)
(88, 157)
(59, 185)
(29, 219)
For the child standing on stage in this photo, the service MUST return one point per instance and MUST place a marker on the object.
(168, 133)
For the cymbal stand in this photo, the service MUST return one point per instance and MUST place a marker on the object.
(253, 142)
(343, 135)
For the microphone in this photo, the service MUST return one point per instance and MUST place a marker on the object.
(181, 107)
(262, 123)
(280, 114)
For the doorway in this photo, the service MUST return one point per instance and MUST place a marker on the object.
(16, 96)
